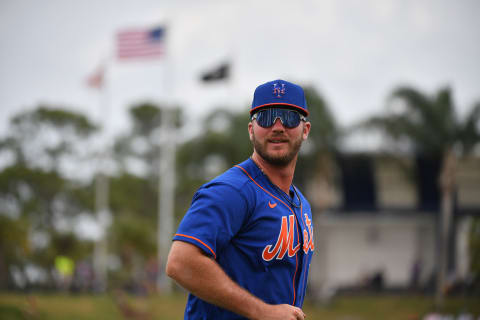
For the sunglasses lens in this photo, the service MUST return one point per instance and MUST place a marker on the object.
(289, 118)
(292, 119)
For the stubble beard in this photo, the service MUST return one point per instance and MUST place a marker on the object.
(277, 160)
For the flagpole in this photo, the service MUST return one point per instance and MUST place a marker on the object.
(167, 179)
(153, 43)
(101, 185)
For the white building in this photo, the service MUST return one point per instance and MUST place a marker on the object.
(394, 238)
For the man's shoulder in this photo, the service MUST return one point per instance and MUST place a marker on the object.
(233, 177)
(238, 177)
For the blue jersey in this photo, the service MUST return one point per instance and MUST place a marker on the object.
(259, 235)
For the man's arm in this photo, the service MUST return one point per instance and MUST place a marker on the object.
(203, 277)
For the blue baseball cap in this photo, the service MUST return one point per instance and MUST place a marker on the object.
(279, 93)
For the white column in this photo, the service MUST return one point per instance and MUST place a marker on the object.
(166, 197)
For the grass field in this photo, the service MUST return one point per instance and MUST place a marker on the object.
(118, 306)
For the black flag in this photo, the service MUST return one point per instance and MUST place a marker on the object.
(222, 72)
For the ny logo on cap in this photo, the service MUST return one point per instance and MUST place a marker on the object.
(278, 91)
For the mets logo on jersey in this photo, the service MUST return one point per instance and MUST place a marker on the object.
(286, 240)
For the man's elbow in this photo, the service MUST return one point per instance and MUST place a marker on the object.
(182, 260)
(173, 266)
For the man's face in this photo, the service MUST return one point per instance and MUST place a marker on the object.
(278, 145)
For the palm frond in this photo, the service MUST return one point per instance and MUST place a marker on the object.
(435, 113)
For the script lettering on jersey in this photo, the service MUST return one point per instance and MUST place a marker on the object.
(308, 241)
(286, 240)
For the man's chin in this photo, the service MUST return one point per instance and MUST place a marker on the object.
(278, 150)
(277, 155)
(279, 159)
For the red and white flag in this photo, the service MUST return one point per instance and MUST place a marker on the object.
(141, 43)
(95, 80)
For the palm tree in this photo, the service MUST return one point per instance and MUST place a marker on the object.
(430, 125)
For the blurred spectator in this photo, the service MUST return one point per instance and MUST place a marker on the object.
(83, 277)
(433, 316)
(64, 267)
(415, 274)
(376, 281)
(151, 274)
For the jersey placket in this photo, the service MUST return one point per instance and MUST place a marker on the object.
(299, 255)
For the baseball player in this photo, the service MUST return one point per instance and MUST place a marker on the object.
(244, 247)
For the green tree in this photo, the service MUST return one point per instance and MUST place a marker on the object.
(44, 136)
(133, 203)
(14, 246)
(35, 193)
(138, 150)
(429, 125)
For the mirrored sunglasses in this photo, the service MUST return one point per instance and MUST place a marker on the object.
(289, 118)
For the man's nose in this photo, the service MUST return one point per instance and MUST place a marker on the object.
(278, 125)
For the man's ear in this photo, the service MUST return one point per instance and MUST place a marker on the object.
(250, 130)
(306, 130)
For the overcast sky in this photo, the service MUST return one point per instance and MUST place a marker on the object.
(354, 52)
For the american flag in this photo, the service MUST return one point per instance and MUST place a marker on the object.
(140, 43)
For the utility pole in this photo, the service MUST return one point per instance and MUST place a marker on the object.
(100, 261)
(100, 252)
(447, 185)
(166, 196)
(166, 174)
